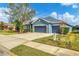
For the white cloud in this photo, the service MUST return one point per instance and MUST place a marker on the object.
(3, 16)
(71, 19)
(67, 4)
(76, 20)
(34, 18)
(67, 17)
(54, 14)
(60, 17)
(73, 5)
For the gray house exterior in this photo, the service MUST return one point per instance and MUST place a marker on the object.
(48, 25)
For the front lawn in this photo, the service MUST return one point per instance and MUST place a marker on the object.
(7, 32)
(23, 50)
(74, 41)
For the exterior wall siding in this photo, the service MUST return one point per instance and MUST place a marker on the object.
(49, 28)
(70, 29)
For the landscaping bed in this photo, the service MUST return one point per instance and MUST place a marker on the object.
(23, 50)
(74, 42)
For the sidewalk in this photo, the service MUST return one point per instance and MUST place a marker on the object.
(5, 52)
(11, 42)
(52, 49)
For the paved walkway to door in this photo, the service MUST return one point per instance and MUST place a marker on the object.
(52, 49)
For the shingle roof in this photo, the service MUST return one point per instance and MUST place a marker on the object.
(48, 19)
(51, 19)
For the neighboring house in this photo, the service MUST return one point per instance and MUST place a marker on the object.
(6, 26)
(47, 25)
(76, 28)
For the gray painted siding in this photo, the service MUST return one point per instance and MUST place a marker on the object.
(49, 28)
(70, 29)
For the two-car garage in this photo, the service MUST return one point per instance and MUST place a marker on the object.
(55, 29)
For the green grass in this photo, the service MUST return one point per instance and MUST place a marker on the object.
(23, 50)
(49, 41)
(7, 32)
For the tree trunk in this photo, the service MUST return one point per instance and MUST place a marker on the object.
(17, 29)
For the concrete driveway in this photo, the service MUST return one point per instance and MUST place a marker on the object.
(31, 36)
(11, 41)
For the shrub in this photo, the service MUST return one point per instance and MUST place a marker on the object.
(66, 30)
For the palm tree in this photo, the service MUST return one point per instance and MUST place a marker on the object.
(19, 14)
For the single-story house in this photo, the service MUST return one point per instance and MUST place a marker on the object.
(47, 25)
(6, 26)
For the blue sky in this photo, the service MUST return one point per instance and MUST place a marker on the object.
(48, 8)
(69, 12)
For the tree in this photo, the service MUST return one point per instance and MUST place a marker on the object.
(19, 14)
(1, 25)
